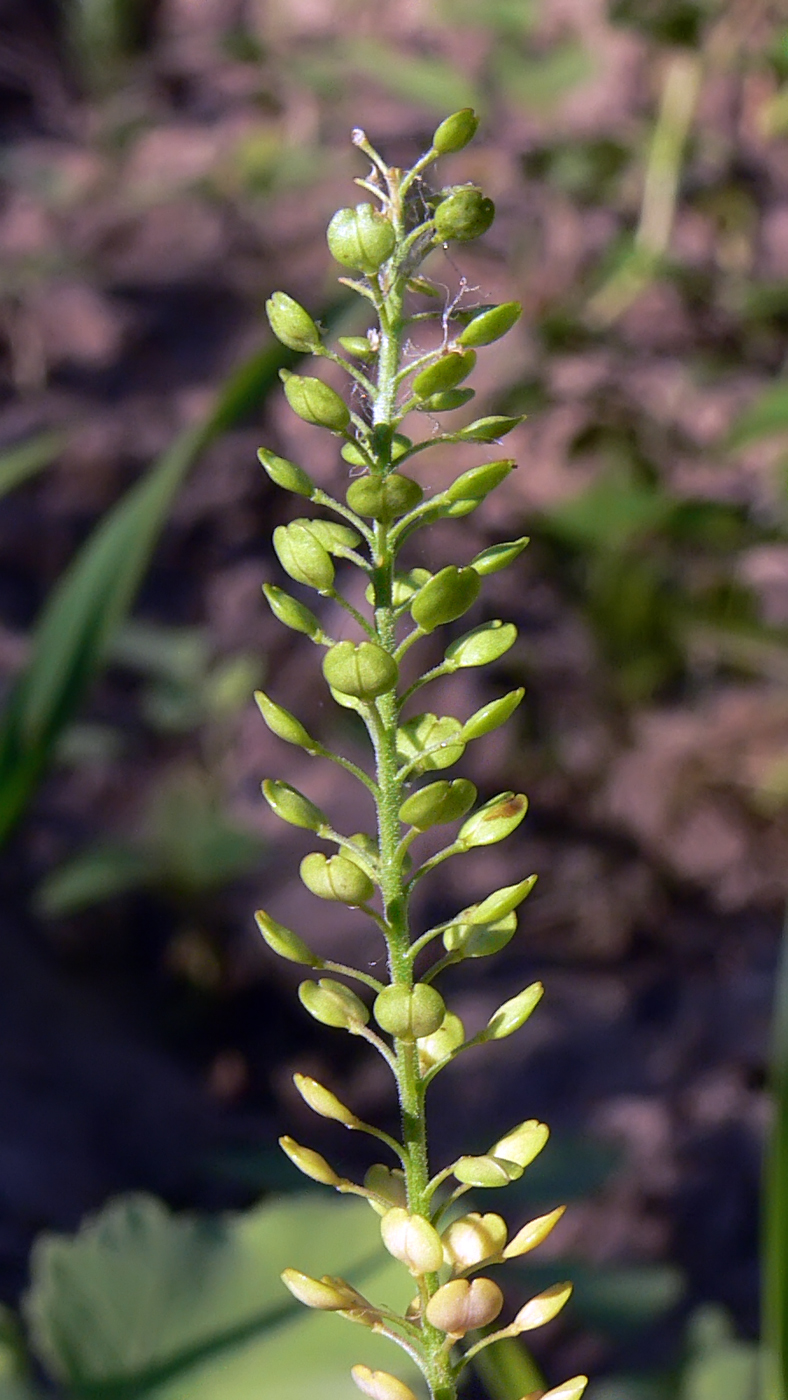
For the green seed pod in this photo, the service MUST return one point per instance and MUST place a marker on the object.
(499, 556)
(412, 1240)
(303, 557)
(491, 324)
(472, 1239)
(434, 1049)
(463, 1305)
(322, 1101)
(438, 803)
(336, 878)
(488, 429)
(400, 444)
(358, 346)
(523, 1143)
(292, 613)
(333, 1004)
(543, 1308)
(409, 1014)
(329, 1294)
(361, 238)
(492, 715)
(291, 324)
(389, 1184)
(493, 822)
(430, 742)
(405, 585)
(335, 538)
(475, 940)
(514, 1014)
(447, 596)
(363, 670)
(445, 373)
(315, 402)
(447, 401)
(479, 481)
(455, 132)
(502, 902)
(284, 942)
(384, 498)
(533, 1234)
(286, 474)
(465, 213)
(483, 645)
(310, 1163)
(486, 1172)
(291, 806)
(283, 724)
(379, 1385)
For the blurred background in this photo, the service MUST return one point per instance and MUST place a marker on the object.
(166, 165)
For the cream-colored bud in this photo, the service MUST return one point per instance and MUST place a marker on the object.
(327, 1293)
(472, 1239)
(461, 1306)
(388, 1184)
(309, 1162)
(412, 1240)
(543, 1308)
(322, 1101)
(533, 1233)
(523, 1143)
(568, 1390)
(379, 1385)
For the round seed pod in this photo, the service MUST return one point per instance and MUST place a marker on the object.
(363, 670)
(445, 373)
(479, 940)
(358, 346)
(464, 214)
(449, 594)
(438, 803)
(291, 613)
(455, 132)
(315, 402)
(491, 324)
(412, 1240)
(400, 444)
(473, 1238)
(410, 1014)
(388, 1183)
(463, 1305)
(291, 324)
(361, 238)
(303, 557)
(478, 482)
(435, 1048)
(291, 806)
(336, 878)
(493, 822)
(333, 1004)
(286, 474)
(384, 498)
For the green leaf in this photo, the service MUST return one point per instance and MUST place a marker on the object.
(429, 82)
(610, 514)
(145, 1303)
(99, 873)
(25, 459)
(507, 1370)
(765, 417)
(722, 1367)
(538, 84)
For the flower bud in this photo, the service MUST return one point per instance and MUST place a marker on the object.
(445, 373)
(429, 742)
(523, 1143)
(472, 1239)
(447, 401)
(358, 346)
(474, 940)
(491, 324)
(286, 474)
(291, 324)
(412, 1240)
(501, 902)
(448, 595)
(493, 822)
(333, 1004)
(291, 613)
(315, 402)
(327, 1293)
(303, 557)
(465, 213)
(409, 1014)
(499, 556)
(361, 238)
(488, 429)
(336, 878)
(383, 498)
(322, 1101)
(438, 803)
(514, 1014)
(387, 1183)
(463, 1305)
(533, 1233)
(435, 1048)
(309, 1162)
(543, 1308)
(361, 669)
(282, 723)
(568, 1390)
(478, 482)
(291, 806)
(284, 942)
(492, 715)
(379, 1385)
(483, 645)
(455, 132)
(486, 1172)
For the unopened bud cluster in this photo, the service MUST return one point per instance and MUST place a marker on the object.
(383, 241)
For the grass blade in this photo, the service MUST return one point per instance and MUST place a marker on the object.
(24, 459)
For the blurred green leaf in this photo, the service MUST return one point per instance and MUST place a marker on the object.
(611, 513)
(428, 82)
(507, 1370)
(501, 16)
(765, 417)
(539, 82)
(99, 873)
(25, 459)
(720, 1367)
